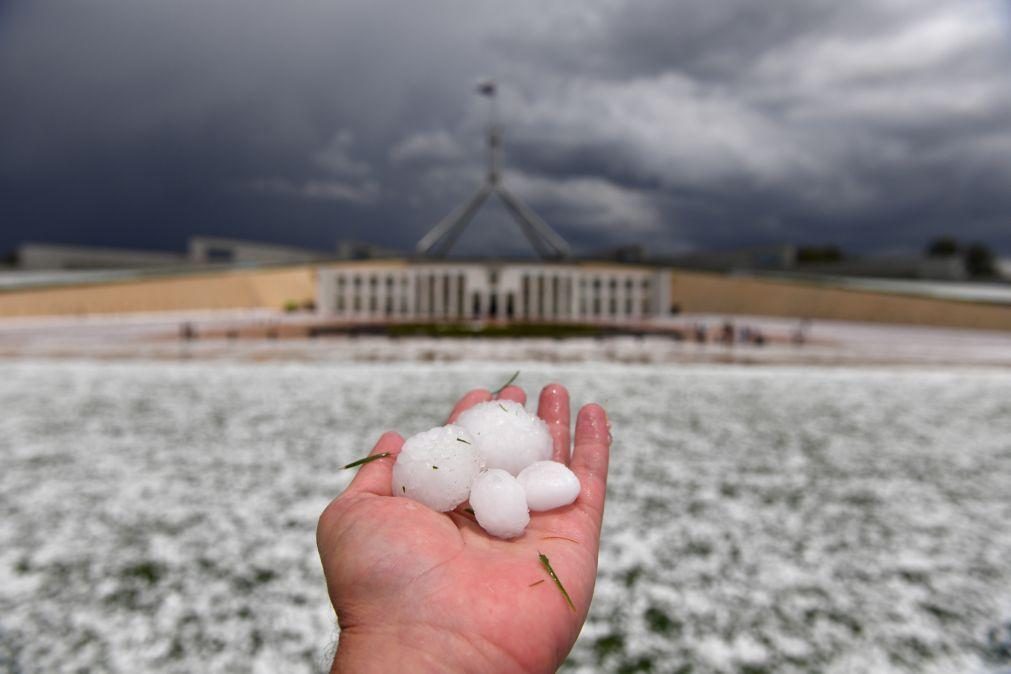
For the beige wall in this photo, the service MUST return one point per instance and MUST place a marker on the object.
(693, 292)
(713, 293)
(269, 288)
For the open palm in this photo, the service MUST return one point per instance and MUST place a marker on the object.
(419, 591)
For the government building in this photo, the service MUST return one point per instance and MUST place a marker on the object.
(440, 291)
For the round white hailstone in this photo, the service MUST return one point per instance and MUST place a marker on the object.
(437, 467)
(508, 436)
(548, 485)
(499, 504)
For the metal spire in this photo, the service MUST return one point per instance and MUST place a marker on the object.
(440, 239)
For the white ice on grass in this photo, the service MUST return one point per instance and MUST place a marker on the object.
(160, 516)
(437, 467)
(499, 504)
(548, 485)
(508, 436)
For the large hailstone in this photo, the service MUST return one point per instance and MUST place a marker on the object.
(437, 467)
(499, 504)
(548, 485)
(507, 436)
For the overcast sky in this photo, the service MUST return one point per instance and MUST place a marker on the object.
(873, 124)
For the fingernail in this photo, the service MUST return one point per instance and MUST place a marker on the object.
(593, 421)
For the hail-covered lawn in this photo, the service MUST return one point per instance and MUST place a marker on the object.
(160, 516)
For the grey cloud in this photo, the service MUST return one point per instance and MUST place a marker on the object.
(875, 123)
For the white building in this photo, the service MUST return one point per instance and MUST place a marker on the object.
(217, 250)
(45, 256)
(442, 291)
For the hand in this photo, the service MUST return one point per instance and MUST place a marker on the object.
(421, 591)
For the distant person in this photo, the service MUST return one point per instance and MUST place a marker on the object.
(727, 333)
(419, 591)
(701, 335)
(800, 332)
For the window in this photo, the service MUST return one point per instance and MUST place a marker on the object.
(554, 296)
(430, 283)
(540, 296)
(446, 308)
(526, 295)
(214, 254)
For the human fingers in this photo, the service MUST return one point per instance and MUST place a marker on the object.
(514, 393)
(376, 476)
(590, 458)
(469, 399)
(553, 408)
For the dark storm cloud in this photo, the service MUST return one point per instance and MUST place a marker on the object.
(674, 124)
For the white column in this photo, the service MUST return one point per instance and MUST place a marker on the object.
(565, 281)
(619, 296)
(420, 282)
(326, 291)
(523, 301)
(664, 281)
(635, 310)
(605, 295)
(575, 295)
(380, 295)
(437, 290)
(548, 298)
(535, 296)
(571, 294)
(452, 310)
(409, 293)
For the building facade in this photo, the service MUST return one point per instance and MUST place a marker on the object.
(404, 291)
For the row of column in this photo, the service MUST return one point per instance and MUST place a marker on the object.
(401, 294)
(447, 294)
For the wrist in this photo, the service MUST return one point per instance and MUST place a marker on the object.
(415, 649)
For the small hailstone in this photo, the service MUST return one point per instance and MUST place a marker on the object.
(437, 467)
(508, 436)
(548, 485)
(499, 504)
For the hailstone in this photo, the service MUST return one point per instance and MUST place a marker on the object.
(508, 437)
(437, 467)
(548, 485)
(499, 504)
